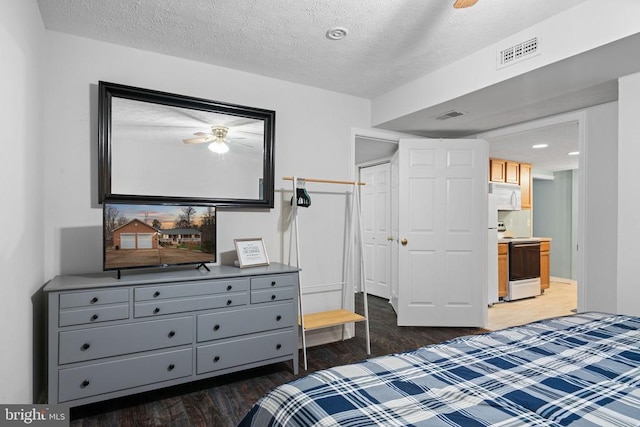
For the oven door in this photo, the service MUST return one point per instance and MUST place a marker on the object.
(524, 260)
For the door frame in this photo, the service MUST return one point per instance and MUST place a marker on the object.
(374, 134)
(580, 118)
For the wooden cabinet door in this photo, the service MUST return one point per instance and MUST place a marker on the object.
(503, 266)
(525, 185)
(512, 172)
(497, 171)
(545, 251)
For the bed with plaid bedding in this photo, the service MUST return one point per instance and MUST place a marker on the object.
(580, 370)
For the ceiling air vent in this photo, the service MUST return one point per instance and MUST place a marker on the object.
(517, 53)
(449, 115)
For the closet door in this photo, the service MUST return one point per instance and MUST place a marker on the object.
(376, 229)
(442, 230)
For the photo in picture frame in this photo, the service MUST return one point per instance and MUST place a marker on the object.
(251, 252)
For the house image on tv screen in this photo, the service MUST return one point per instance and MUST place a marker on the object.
(157, 235)
(180, 236)
(135, 235)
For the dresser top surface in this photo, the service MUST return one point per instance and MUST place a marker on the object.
(130, 277)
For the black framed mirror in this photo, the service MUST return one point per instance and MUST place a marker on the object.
(159, 147)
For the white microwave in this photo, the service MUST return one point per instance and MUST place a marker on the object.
(508, 196)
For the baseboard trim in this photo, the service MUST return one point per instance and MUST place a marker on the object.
(563, 280)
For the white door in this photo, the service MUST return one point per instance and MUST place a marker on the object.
(442, 228)
(376, 228)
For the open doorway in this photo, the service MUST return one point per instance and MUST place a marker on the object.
(372, 153)
(556, 211)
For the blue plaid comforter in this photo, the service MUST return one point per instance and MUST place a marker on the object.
(581, 370)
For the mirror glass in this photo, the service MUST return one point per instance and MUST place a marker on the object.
(172, 148)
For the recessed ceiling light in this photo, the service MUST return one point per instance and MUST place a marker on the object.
(540, 146)
(337, 33)
(574, 153)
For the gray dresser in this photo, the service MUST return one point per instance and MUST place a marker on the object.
(111, 337)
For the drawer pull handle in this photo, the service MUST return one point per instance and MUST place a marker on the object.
(156, 310)
(172, 334)
(273, 283)
(85, 346)
(216, 327)
(85, 384)
(94, 317)
(170, 367)
(278, 347)
(229, 287)
(278, 318)
(94, 300)
(273, 297)
(216, 359)
(228, 302)
(156, 294)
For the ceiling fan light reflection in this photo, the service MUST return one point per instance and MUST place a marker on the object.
(218, 147)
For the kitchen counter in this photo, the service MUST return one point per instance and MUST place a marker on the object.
(520, 239)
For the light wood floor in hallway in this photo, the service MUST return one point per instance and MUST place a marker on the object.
(559, 300)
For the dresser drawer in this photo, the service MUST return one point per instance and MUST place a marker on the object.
(180, 305)
(245, 350)
(97, 314)
(189, 289)
(246, 321)
(99, 378)
(270, 295)
(274, 281)
(105, 341)
(92, 298)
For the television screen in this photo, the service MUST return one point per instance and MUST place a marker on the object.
(147, 235)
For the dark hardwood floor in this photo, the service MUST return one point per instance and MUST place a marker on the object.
(224, 400)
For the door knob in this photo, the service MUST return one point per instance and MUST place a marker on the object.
(404, 242)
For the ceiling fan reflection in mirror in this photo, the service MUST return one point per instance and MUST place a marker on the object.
(461, 4)
(217, 138)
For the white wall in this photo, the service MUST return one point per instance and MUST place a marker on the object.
(21, 252)
(600, 168)
(552, 217)
(628, 191)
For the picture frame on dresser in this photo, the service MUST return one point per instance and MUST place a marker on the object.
(251, 252)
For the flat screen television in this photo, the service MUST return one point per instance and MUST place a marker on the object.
(150, 235)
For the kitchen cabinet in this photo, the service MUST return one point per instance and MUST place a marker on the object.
(545, 251)
(503, 269)
(497, 170)
(504, 171)
(513, 173)
(526, 184)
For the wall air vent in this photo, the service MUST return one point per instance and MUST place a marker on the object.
(450, 114)
(519, 52)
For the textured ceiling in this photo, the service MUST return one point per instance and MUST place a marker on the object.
(389, 42)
